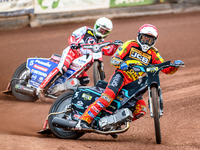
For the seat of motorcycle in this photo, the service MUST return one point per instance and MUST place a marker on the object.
(103, 84)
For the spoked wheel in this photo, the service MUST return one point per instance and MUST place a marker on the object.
(98, 74)
(156, 113)
(60, 105)
(18, 78)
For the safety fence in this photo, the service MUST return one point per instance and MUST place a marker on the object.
(23, 7)
(20, 13)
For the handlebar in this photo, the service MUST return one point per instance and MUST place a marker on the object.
(154, 68)
(97, 46)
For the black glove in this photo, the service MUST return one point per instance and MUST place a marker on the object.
(118, 42)
(73, 46)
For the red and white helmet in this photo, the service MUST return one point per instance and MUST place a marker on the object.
(147, 36)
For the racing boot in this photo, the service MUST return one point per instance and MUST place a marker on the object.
(48, 82)
(83, 125)
(41, 94)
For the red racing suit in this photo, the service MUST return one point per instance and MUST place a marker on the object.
(83, 35)
(129, 52)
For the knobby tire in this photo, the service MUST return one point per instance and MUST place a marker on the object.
(156, 114)
(58, 106)
(17, 74)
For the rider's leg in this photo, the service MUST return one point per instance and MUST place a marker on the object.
(115, 85)
(93, 110)
(66, 59)
(50, 79)
(140, 109)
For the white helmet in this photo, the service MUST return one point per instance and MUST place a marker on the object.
(147, 36)
(102, 27)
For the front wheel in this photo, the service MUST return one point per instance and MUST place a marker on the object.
(156, 113)
(18, 78)
(60, 105)
(98, 74)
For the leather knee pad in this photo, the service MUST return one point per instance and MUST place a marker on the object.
(84, 80)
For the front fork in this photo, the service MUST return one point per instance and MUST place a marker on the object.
(160, 101)
(102, 70)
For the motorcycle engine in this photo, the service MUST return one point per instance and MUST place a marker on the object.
(73, 82)
(116, 120)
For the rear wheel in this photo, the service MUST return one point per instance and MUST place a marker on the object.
(98, 74)
(58, 106)
(19, 78)
(156, 114)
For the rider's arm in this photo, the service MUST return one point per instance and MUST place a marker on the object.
(71, 40)
(122, 51)
(77, 35)
(109, 50)
(157, 59)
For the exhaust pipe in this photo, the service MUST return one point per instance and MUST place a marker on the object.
(63, 123)
(25, 90)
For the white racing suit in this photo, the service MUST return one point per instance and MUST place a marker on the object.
(83, 35)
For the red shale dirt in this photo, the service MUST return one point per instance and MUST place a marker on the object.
(179, 36)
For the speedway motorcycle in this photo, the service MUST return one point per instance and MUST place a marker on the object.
(62, 119)
(29, 75)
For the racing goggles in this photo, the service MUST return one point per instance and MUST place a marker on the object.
(102, 31)
(147, 39)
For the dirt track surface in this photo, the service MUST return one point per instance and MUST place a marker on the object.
(180, 125)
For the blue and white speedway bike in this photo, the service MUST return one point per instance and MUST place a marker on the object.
(29, 75)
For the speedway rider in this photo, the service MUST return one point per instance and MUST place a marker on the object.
(140, 52)
(84, 35)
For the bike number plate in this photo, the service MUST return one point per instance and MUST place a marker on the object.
(152, 69)
(97, 55)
